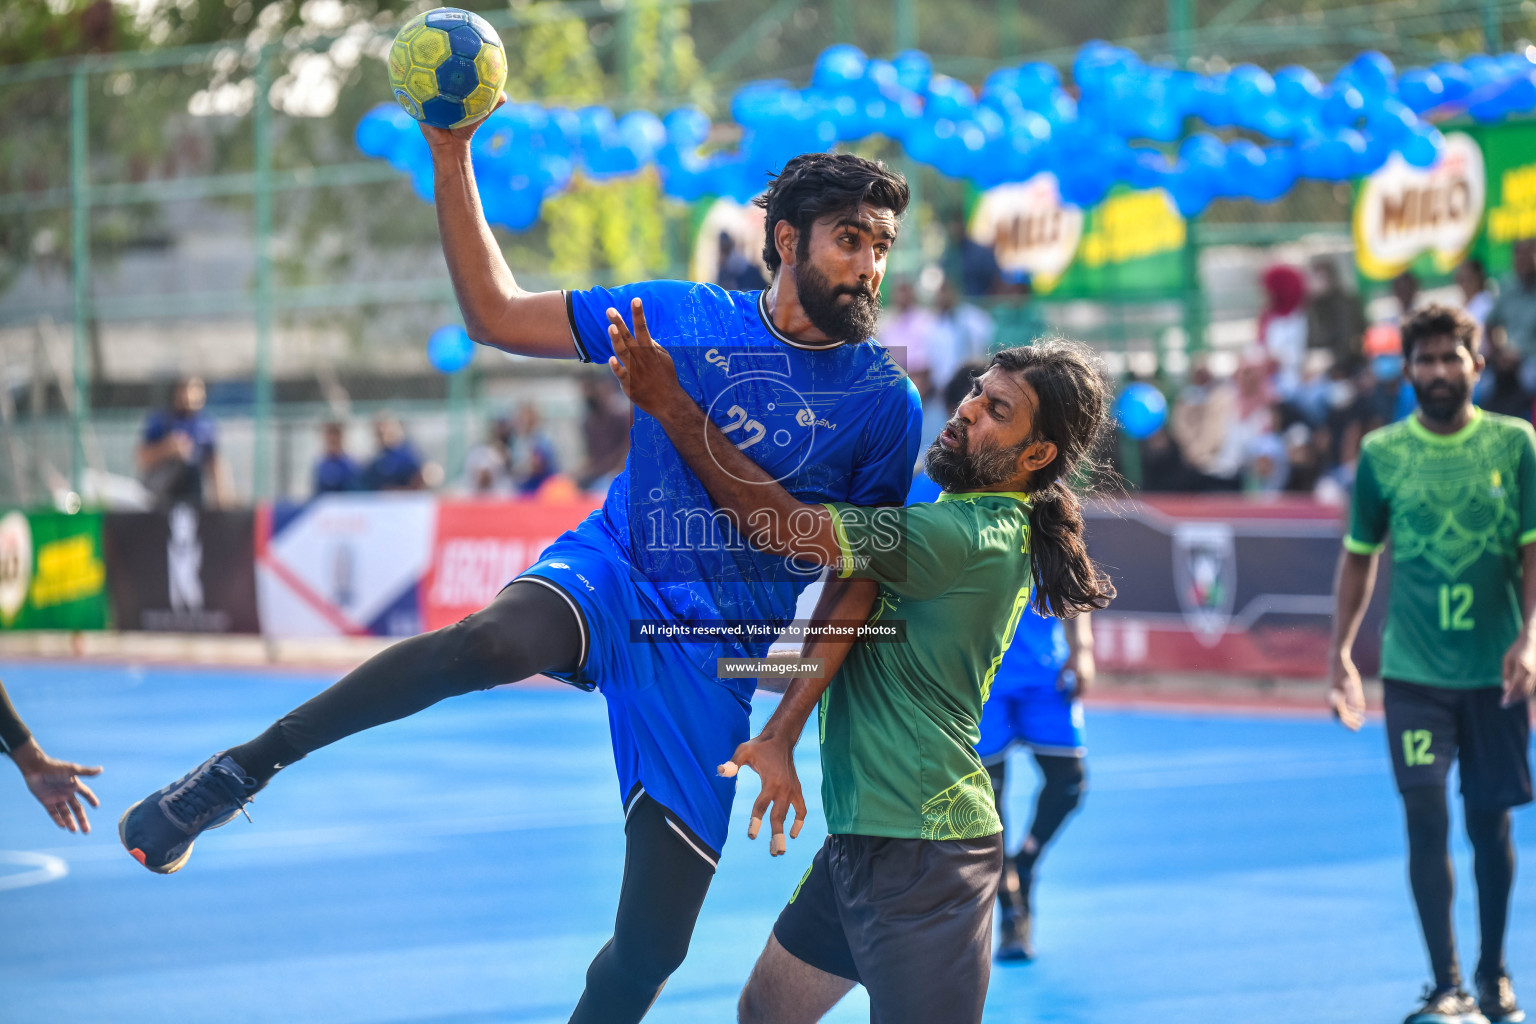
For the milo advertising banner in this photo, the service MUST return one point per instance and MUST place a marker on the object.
(1423, 218)
(1477, 199)
(1129, 243)
(1509, 155)
(52, 575)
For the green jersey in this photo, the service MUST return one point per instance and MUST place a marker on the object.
(899, 723)
(1459, 507)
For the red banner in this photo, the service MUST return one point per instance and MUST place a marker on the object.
(480, 546)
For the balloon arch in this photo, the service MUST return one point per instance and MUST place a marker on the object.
(1021, 122)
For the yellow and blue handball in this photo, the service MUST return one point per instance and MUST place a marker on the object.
(447, 67)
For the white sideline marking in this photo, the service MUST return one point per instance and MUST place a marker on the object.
(45, 868)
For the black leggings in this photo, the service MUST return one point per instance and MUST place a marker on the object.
(528, 629)
(1065, 781)
(664, 886)
(1432, 879)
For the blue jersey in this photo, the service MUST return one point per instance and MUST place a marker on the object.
(1039, 649)
(829, 423)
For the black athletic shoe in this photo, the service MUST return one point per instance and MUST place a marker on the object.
(1446, 1006)
(1017, 939)
(1496, 998)
(1016, 946)
(159, 829)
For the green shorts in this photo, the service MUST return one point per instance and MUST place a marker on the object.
(909, 919)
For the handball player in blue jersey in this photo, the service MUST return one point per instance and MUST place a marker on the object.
(792, 377)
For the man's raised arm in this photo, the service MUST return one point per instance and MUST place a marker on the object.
(772, 519)
(496, 310)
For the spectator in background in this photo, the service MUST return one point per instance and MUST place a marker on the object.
(961, 334)
(736, 272)
(906, 329)
(178, 455)
(335, 471)
(605, 431)
(1335, 316)
(1283, 325)
(488, 465)
(1015, 310)
(1477, 297)
(1305, 452)
(1202, 418)
(1512, 318)
(396, 466)
(1405, 289)
(536, 459)
(972, 264)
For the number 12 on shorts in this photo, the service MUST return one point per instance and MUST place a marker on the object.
(1416, 747)
(1455, 603)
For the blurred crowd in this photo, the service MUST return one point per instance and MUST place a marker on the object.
(179, 461)
(1319, 376)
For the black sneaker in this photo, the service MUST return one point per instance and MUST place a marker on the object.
(1446, 1006)
(1017, 939)
(1496, 998)
(159, 829)
(1016, 944)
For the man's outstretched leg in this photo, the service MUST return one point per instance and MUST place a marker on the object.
(529, 628)
(665, 880)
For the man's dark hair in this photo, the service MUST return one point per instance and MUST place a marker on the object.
(1072, 412)
(1437, 322)
(813, 185)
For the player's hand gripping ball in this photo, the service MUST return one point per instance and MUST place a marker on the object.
(447, 67)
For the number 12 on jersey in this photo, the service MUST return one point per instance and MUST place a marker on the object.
(1455, 604)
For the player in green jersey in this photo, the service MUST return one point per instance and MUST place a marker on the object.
(1455, 488)
(899, 898)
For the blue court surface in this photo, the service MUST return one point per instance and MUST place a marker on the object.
(462, 867)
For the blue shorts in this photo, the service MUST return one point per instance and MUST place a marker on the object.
(673, 723)
(1043, 718)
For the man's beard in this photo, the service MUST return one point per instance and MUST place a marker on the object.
(960, 469)
(1442, 400)
(851, 322)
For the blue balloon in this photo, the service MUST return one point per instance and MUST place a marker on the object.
(1372, 74)
(1343, 105)
(687, 128)
(1244, 170)
(838, 68)
(1422, 147)
(1455, 79)
(449, 349)
(1420, 89)
(1141, 409)
(913, 69)
(1298, 89)
(1277, 174)
(378, 129)
(1037, 83)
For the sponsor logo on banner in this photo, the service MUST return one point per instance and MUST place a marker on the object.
(15, 565)
(344, 564)
(188, 570)
(1405, 211)
(51, 571)
(184, 561)
(1029, 228)
(1205, 577)
(480, 547)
